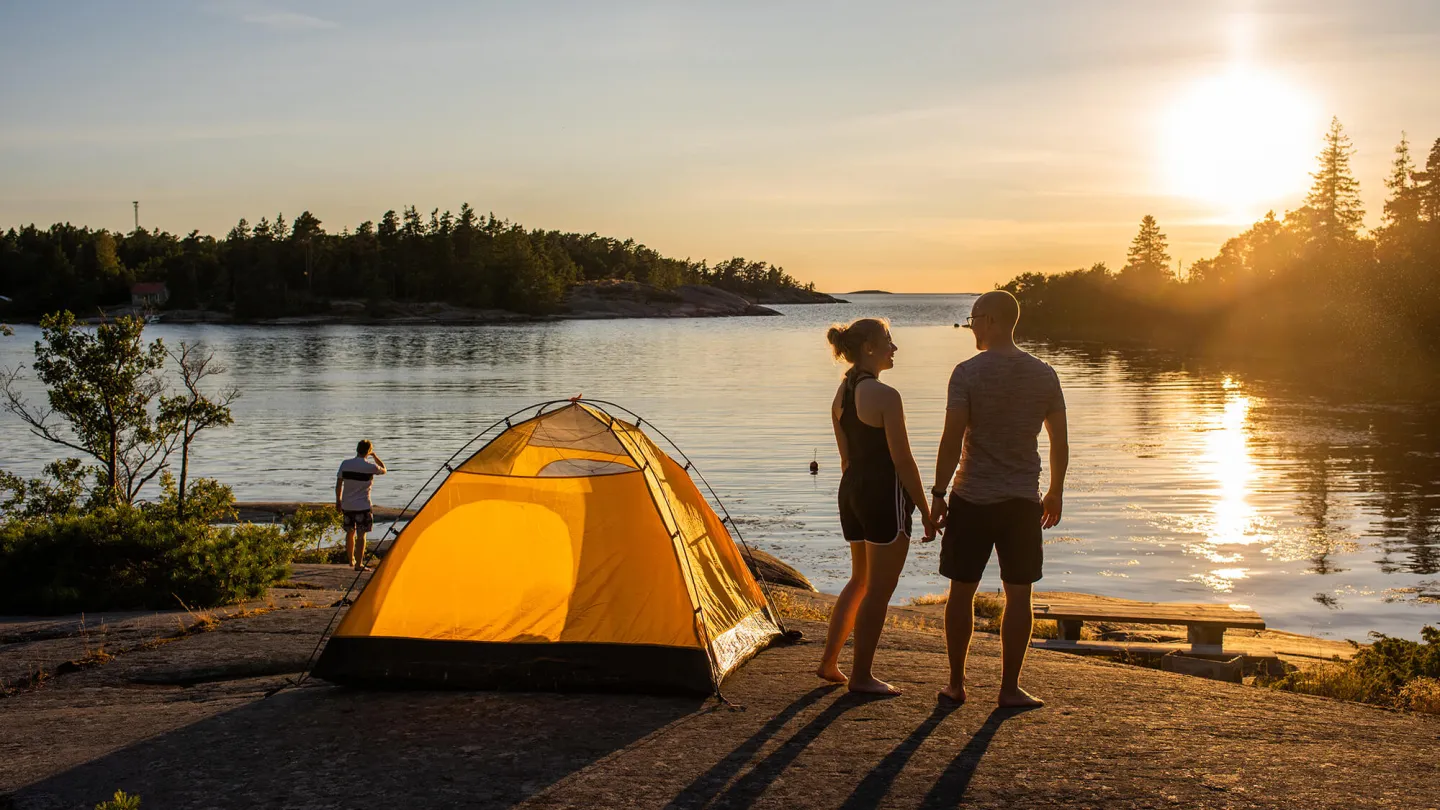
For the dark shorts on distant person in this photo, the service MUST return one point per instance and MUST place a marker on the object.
(873, 509)
(1011, 528)
(359, 521)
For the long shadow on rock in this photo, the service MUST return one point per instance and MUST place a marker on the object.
(949, 789)
(358, 749)
(876, 784)
(699, 792)
(749, 787)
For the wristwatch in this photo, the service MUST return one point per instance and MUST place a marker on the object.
(939, 492)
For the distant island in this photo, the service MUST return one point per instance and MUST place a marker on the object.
(449, 268)
(870, 292)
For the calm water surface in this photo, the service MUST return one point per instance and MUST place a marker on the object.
(1186, 483)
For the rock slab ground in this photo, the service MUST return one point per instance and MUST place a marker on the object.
(186, 724)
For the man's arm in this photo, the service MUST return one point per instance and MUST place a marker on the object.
(379, 465)
(951, 441)
(339, 490)
(1054, 500)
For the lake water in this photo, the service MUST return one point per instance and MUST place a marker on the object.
(1186, 482)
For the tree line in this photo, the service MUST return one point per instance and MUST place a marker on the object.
(1313, 283)
(277, 267)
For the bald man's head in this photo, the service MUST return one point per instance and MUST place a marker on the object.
(1001, 307)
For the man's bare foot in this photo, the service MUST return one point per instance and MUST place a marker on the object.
(1019, 699)
(831, 673)
(954, 694)
(873, 686)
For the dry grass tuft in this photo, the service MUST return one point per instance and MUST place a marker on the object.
(1337, 681)
(794, 608)
(930, 599)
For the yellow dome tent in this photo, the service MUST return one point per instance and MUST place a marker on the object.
(569, 552)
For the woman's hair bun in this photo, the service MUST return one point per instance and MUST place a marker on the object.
(849, 341)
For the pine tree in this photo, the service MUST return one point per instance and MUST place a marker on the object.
(1403, 207)
(1334, 199)
(1147, 262)
(1427, 187)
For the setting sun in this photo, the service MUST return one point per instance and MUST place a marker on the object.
(1239, 141)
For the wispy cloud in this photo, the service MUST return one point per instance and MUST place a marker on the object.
(287, 20)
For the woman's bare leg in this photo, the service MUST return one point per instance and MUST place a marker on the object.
(885, 564)
(842, 616)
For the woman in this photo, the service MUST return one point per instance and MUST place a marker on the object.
(879, 490)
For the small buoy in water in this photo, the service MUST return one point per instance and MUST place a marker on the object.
(814, 468)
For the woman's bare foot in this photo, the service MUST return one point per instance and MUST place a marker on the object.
(954, 694)
(1019, 699)
(873, 686)
(831, 673)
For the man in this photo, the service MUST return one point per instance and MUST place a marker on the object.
(997, 402)
(352, 498)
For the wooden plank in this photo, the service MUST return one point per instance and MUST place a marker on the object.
(1178, 613)
(1146, 648)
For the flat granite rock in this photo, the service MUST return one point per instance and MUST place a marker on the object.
(186, 724)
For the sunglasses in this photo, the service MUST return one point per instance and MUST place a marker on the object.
(970, 321)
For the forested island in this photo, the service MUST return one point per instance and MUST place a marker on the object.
(277, 268)
(1309, 288)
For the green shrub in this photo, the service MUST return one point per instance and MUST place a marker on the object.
(127, 557)
(309, 527)
(206, 501)
(1390, 672)
(58, 491)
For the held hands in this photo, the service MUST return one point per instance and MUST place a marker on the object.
(1051, 505)
(928, 521)
(936, 523)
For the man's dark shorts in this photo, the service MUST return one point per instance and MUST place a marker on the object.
(359, 521)
(1010, 527)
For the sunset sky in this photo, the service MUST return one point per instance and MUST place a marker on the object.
(914, 147)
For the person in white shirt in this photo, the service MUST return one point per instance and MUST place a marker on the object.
(352, 499)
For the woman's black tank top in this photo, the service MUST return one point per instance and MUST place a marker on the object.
(869, 452)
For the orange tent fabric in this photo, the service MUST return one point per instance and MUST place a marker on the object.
(569, 552)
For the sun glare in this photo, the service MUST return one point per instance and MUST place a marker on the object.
(1240, 141)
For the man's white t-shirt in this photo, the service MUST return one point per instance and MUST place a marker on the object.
(356, 476)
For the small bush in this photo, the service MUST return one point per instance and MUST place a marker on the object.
(308, 527)
(58, 491)
(206, 501)
(1390, 672)
(120, 801)
(119, 557)
(1421, 695)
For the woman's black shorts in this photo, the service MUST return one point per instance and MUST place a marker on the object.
(875, 509)
(1010, 527)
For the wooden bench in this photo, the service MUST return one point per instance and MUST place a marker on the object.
(1205, 624)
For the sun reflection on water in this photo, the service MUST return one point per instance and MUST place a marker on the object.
(1227, 462)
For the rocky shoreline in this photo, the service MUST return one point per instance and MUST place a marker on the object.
(597, 300)
(208, 710)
